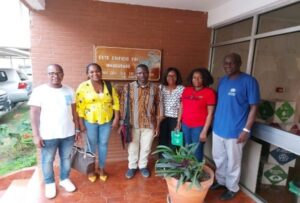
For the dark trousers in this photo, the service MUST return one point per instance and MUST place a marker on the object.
(166, 126)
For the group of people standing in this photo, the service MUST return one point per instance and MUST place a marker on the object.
(60, 117)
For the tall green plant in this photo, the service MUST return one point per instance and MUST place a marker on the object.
(180, 164)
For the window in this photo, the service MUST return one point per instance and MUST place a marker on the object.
(3, 76)
(234, 31)
(220, 52)
(277, 66)
(279, 19)
(22, 75)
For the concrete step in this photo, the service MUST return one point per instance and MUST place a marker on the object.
(2, 193)
(25, 173)
(35, 188)
(16, 191)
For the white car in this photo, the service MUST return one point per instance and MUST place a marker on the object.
(16, 84)
(4, 101)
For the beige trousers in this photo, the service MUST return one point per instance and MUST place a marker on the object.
(140, 147)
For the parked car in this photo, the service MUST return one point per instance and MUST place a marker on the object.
(16, 84)
(4, 101)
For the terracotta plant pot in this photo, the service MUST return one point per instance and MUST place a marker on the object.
(193, 195)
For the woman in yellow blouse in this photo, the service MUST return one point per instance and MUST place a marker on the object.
(98, 108)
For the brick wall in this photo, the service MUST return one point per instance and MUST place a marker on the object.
(67, 30)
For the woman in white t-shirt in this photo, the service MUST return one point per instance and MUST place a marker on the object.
(171, 90)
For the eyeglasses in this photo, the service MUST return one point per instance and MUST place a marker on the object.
(55, 73)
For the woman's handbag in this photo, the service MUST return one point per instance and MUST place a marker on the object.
(81, 160)
(177, 138)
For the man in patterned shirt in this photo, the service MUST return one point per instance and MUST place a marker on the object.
(145, 114)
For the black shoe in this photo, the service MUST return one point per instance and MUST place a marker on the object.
(216, 186)
(227, 195)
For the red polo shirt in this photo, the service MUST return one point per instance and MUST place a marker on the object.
(195, 105)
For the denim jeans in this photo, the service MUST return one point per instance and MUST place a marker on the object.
(98, 135)
(64, 147)
(191, 135)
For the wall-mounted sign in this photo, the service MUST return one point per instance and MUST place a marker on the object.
(120, 63)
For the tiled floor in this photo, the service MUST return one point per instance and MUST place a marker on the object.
(117, 189)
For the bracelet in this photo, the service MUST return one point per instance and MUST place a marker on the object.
(77, 131)
(246, 130)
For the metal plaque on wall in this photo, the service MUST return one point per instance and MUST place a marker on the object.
(119, 63)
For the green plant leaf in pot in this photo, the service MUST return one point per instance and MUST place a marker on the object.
(180, 164)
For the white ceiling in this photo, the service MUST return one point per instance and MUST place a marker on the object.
(220, 12)
(194, 5)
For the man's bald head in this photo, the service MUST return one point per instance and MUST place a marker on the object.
(56, 66)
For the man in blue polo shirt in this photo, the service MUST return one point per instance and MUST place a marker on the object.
(238, 97)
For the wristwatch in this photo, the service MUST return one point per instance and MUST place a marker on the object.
(246, 130)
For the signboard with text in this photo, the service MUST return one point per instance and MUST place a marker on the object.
(120, 63)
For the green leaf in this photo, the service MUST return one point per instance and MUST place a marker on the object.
(180, 164)
(179, 182)
(162, 148)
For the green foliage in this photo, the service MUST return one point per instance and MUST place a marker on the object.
(3, 130)
(16, 143)
(180, 164)
(18, 163)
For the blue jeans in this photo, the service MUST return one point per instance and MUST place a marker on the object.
(191, 135)
(64, 147)
(98, 135)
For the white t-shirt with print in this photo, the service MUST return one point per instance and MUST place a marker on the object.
(171, 100)
(56, 119)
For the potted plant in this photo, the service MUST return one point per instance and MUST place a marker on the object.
(188, 179)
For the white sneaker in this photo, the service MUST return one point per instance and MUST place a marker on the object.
(68, 185)
(50, 190)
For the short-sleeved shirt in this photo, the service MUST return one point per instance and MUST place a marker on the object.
(171, 100)
(56, 118)
(96, 107)
(195, 103)
(234, 99)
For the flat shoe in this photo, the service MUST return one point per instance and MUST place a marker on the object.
(227, 195)
(103, 175)
(130, 173)
(103, 178)
(216, 186)
(92, 178)
(50, 190)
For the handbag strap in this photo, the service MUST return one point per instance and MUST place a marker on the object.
(127, 112)
(86, 143)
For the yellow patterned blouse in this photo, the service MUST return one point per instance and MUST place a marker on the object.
(94, 107)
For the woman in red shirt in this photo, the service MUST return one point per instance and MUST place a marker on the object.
(197, 108)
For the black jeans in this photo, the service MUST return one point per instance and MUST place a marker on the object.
(166, 126)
